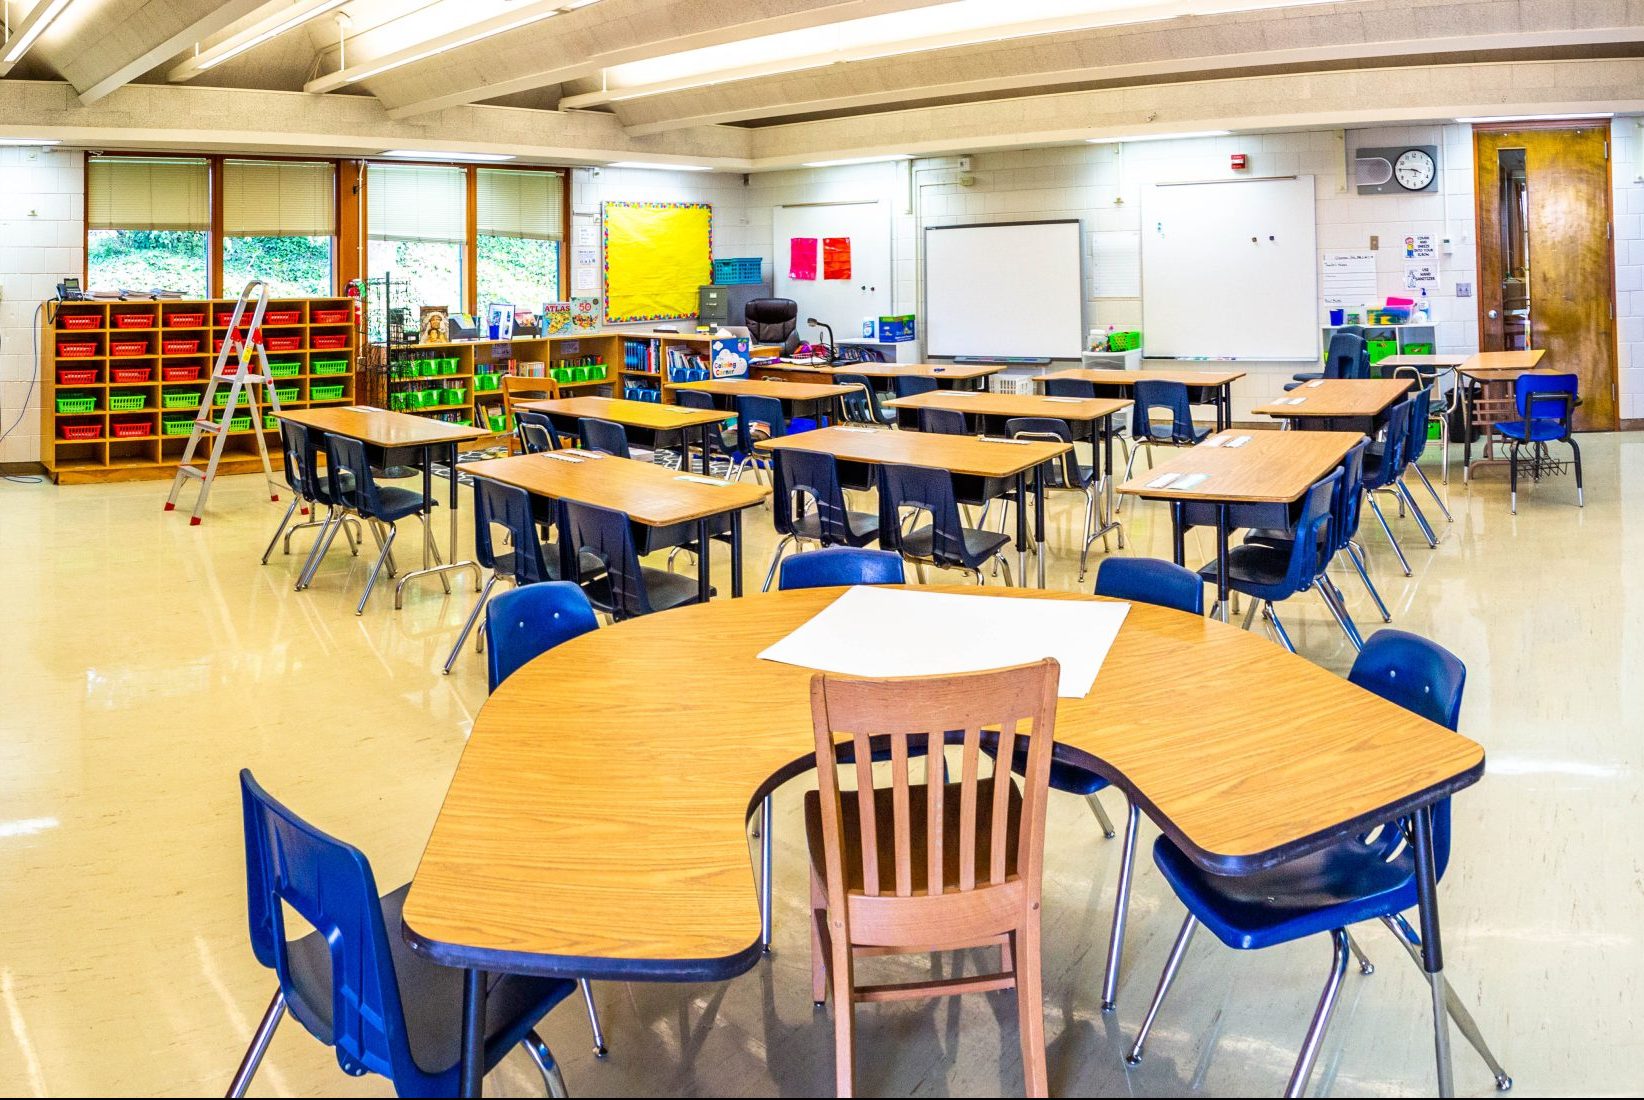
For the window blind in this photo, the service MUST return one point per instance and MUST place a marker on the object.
(520, 204)
(410, 202)
(272, 198)
(144, 193)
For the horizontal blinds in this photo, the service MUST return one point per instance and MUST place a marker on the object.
(520, 204)
(417, 203)
(144, 193)
(271, 198)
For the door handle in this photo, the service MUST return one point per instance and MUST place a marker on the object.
(1492, 315)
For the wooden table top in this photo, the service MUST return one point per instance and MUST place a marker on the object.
(1104, 377)
(1487, 364)
(595, 825)
(1341, 398)
(382, 428)
(960, 454)
(964, 372)
(635, 414)
(1274, 467)
(1423, 362)
(759, 387)
(983, 403)
(645, 492)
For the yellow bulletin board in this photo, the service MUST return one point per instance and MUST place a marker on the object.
(656, 256)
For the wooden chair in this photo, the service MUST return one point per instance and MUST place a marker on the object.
(895, 871)
(529, 389)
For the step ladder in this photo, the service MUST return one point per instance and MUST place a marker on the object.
(241, 343)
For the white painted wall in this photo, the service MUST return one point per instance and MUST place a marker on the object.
(1627, 175)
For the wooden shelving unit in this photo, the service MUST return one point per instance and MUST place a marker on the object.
(106, 381)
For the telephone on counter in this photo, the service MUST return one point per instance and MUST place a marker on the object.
(69, 290)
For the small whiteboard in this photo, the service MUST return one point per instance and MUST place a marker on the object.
(843, 303)
(1011, 290)
(1230, 269)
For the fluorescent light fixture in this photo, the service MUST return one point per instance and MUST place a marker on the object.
(29, 141)
(1159, 137)
(275, 25)
(658, 166)
(858, 160)
(489, 29)
(40, 17)
(435, 154)
(1539, 118)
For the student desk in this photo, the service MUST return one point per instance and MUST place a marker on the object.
(991, 460)
(648, 494)
(1487, 396)
(657, 420)
(796, 397)
(1213, 388)
(1337, 402)
(622, 854)
(1273, 469)
(955, 376)
(384, 433)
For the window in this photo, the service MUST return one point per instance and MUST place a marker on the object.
(518, 238)
(279, 225)
(148, 224)
(417, 222)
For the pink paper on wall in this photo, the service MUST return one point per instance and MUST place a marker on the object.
(802, 258)
(836, 257)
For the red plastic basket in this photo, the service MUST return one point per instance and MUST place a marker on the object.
(77, 376)
(76, 351)
(93, 430)
(130, 375)
(180, 347)
(330, 341)
(286, 343)
(224, 318)
(134, 320)
(331, 316)
(283, 317)
(185, 320)
(180, 374)
(128, 348)
(78, 320)
(130, 427)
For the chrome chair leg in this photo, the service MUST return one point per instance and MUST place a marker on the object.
(473, 617)
(1329, 593)
(285, 519)
(776, 559)
(433, 546)
(1375, 506)
(1249, 613)
(1321, 1018)
(552, 1079)
(1366, 967)
(1005, 563)
(1434, 493)
(317, 552)
(259, 1045)
(1272, 617)
(1172, 964)
(766, 886)
(1357, 558)
(600, 1050)
(1101, 816)
(1421, 518)
(371, 581)
(1121, 911)
(1406, 935)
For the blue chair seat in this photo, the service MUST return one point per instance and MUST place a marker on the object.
(662, 588)
(864, 526)
(1339, 886)
(589, 563)
(1540, 431)
(1067, 778)
(979, 545)
(396, 503)
(1256, 569)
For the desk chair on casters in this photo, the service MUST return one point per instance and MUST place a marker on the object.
(355, 488)
(398, 1015)
(1546, 414)
(840, 565)
(951, 863)
(810, 481)
(1370, 877)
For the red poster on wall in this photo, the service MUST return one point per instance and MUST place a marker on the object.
(836, 257)
(802, 258)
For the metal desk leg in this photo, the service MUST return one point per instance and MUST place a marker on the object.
(471, 1081)
(1021, 526)
(451, 564)
(1178, 533)
(1222, 592)
(1039, 519)
(1432, 951)
(736, 554)
(702, 554)
(707, 466)
(1466, 427)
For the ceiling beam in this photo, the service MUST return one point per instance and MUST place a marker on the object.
(143, 24)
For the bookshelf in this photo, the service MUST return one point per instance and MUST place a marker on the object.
(117, 378)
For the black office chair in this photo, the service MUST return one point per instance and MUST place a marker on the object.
(773, 321)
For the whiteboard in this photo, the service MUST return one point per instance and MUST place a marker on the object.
(842, 303)
(1007, 290)
(1230, 269)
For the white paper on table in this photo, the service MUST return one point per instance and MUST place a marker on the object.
(872, 631)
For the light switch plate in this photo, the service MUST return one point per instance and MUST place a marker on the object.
(1464, 290)
(1375, 243)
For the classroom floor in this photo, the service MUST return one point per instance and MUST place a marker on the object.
(145, 662)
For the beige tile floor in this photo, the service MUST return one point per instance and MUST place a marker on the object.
(142, 663)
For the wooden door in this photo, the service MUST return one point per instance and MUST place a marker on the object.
(1546, 267)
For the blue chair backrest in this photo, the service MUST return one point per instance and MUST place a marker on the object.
(1159, 393)
(604, 436)
(1311, 550)
(359, 492)
(861, 406)
(330, 885)
(912, 385)
(1058, 473)
(1546, 396)
(1069, 387)
(694, 399)
(509, 507)
(1416, 445)
(1150, 580)
(942, 422)
(1348, 356)
(1395, 444)
(526, 622)
(1349, 497)
(1426, 679)
(536, 432)
(840, 565)
(765, 410)
(298, 454)
(816, 476)
(609, 536)
(932, 491)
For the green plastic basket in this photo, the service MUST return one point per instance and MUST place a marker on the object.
(1124, 341)
(127, 402)
(484, 383)
(427, 368)
(271, 422)
(447, 366)
(285, 369)
(180, 399)
(76, 402)
(325, 393)
(499, 424)
(329, 366)
(286, 394)
(176, 425)
(455, 395)
(240, 424)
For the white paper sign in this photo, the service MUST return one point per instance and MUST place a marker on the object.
(1348, 279)
(1419, 246)
(1418, 275)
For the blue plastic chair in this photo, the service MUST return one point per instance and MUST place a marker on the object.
(354, 487)
(1546, 414)
(1150, 580)
(1158, 393)
(1347, 357)
(1371, 877)
(354, 983)
(626, 589)
(536, 432)
(1384, 466)
(309, 491)
(722, 442)
(840, 565)
(943, 541)
(812, 479)
(604, 436)
(864, 406)
(1065, 474)
(943, 422)
(750, 410)
(1420, 418)
(911, 385)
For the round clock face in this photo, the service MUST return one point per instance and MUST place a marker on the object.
(1414, 170)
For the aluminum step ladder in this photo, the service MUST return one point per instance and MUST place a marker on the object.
(241, 343)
